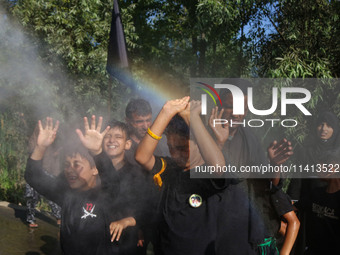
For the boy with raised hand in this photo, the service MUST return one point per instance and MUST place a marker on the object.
(187, 206)
(108, 149)
(89, 210)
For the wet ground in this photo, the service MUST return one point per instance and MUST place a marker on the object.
(16, 238)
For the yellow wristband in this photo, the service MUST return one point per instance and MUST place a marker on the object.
(153, 135)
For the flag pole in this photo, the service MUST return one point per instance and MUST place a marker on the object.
(117, 60)
(110, 98)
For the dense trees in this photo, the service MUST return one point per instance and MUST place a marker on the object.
(304, 39)
(53, 53)
(303, 44)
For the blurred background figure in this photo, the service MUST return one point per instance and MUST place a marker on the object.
(321, 210)
(323, 140)
(51, 163)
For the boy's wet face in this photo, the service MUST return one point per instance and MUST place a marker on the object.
(79, 174)
(324, 131)
(227, 101)
(179, 149)
(115, 142)
(140, 124)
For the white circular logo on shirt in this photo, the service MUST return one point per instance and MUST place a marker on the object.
(195, 200)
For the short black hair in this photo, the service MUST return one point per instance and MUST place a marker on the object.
(178, 126)
(138, 106)
(72, 147)
(330, 118)
(121, 125)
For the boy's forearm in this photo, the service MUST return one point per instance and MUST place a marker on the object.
(147, 146)
(291, 234)
(220, 144)
(43, 183)
(96, 152)
(211, 153)
(130, 222)
(293, 225)
(38, 152)
(161, 122)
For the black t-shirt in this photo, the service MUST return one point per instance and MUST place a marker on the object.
(133, 189)
(186, 229)
(281, 202)
(161, 150)
(131, 196)
(323, 220)
(85, 223)
(246, 216)
(86, 215)
(265, 221)
(233, 221)
(130, 154)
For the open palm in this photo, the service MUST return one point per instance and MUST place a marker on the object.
(92, 138)
(221, 131)
(48, 133)
(280, 152)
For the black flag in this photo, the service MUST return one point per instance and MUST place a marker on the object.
(117, 55)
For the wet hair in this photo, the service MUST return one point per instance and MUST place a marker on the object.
(120, 125)
(330, 118)
(72, 147)
(240, 83)
(139, 107)
(177, 126)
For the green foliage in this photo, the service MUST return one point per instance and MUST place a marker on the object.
(304, 41)
(300, 43)
(59, 59)
(13, 144)
(192, 38)
(76, 30)
(298, 65)
(72, 38)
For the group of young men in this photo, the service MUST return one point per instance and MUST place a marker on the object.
(127, 188)
(146, 195)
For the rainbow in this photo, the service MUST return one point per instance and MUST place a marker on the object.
(213, 90)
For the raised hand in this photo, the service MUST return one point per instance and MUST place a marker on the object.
(48, 133)
(192, 108)
(93, 138)
(195, 107)
(280, 152)
(221, 131)
(45, 138)
(175, 106)
(185, 114)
